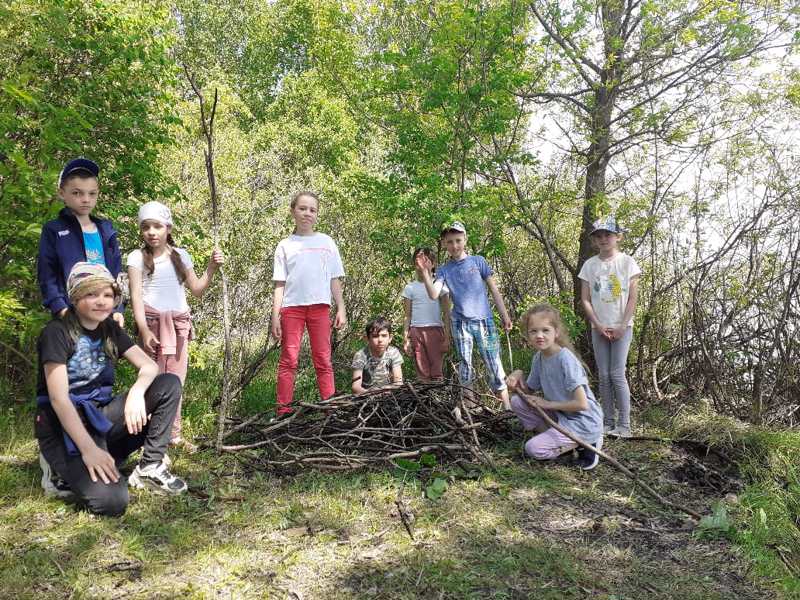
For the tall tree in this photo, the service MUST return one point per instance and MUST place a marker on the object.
(627, 72)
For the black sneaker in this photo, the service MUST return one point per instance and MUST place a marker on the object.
(587, 459)
(158, 478)
(52, 484)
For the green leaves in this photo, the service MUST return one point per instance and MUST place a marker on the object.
(718, 524)
(78, 78)
(435, 482)
(443, 84)
(436, 488)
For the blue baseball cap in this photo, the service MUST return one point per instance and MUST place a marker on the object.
(78, 164)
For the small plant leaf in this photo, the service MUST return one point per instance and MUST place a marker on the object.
(436, 489)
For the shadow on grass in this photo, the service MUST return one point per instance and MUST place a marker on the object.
(545, 532)
(522, 531)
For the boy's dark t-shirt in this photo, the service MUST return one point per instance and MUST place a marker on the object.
(88, 366)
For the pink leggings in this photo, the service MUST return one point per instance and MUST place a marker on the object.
(547, 445)
(293, 320)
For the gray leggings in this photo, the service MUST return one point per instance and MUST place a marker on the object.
(611, 358)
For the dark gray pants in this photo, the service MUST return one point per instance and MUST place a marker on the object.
(161, 401)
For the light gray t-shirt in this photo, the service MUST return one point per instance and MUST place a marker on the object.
(557, 377)
(424, 311)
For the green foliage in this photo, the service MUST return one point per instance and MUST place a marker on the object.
(436, 488)
(718, 524)
(435, 482)
(764, 521)
(562, 302)
(442, 84)
(78, 78)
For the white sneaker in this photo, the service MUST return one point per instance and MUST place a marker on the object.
(158, 478)
(52, 484)
(620, 432)
(607, 429)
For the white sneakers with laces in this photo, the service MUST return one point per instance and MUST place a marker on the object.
(157, 477)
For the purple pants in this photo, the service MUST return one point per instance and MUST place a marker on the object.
(544, 446)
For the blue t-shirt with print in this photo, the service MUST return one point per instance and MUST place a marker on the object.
(557, 377)
(465, 279)
(94, 248)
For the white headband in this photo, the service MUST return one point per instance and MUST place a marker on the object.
(155, 211)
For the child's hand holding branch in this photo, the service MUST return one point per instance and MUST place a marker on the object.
(533, 400)
(217, 260)
(516, 381)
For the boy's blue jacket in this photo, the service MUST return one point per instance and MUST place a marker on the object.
(61, 246)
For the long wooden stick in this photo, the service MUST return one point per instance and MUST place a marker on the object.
(207, 122)
(616, 464)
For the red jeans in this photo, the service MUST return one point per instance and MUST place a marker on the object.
(293, 319)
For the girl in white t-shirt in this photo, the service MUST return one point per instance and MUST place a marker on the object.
(158, 275)
(608, 292)
(426, 336)
(307, 272)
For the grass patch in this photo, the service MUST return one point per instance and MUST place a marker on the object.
(522, 530)
(767, 515)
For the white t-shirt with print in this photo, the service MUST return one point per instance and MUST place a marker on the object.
(609, 285)
(162, 290)
(307, 263)
(424, 311)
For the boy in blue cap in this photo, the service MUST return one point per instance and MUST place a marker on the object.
(75, 236)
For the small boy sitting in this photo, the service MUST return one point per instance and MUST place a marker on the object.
(379, 365)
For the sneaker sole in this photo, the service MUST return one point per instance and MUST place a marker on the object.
(54, 492)
(594, 463)
(144, 484)
(49, 489)
(596, 460)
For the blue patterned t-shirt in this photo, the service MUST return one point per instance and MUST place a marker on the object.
(94, 247)
(88, 365)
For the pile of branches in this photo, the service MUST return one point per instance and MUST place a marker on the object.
(374, 430)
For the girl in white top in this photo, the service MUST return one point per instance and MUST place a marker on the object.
(608, 292)
(426, 336)
(157, 275)
(307, 272)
